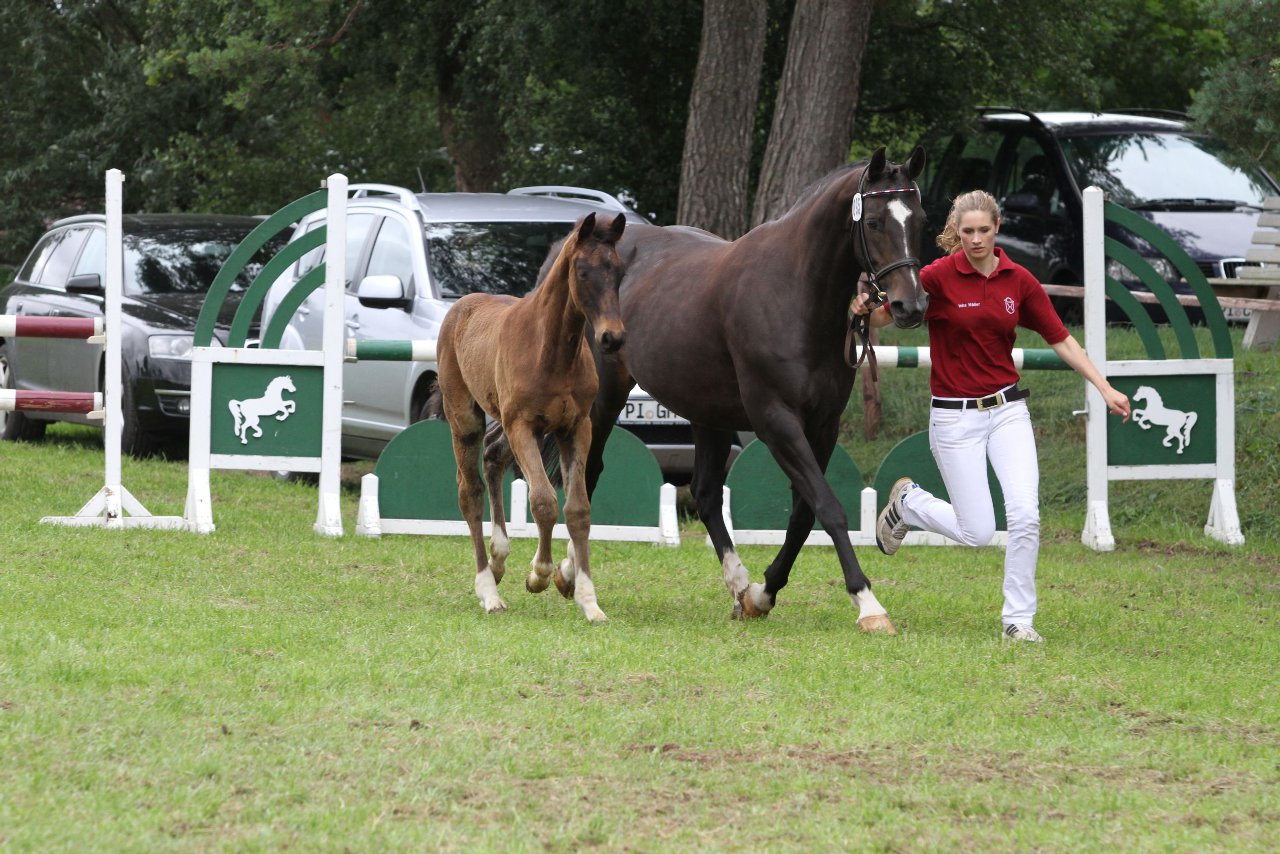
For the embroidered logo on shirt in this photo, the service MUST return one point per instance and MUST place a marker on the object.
(1008, 304)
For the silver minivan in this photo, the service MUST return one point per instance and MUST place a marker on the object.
(409, 257)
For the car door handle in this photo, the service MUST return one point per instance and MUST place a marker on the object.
(304, 309)
(353, 324)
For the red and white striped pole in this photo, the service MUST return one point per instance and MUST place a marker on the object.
(21, 326)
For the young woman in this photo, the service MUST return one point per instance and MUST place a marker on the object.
(977, 296)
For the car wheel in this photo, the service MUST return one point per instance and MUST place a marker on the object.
(16, 426)
(134, 441)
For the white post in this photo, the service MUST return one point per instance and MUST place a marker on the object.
(668, 517)
(329, 512)
(369, 517)
(1097, 527)
(114, 425)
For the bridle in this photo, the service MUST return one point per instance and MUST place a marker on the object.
(860, 325)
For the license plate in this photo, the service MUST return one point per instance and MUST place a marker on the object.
(648, 412)
(1241, 314)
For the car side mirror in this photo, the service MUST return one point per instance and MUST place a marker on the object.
(382, 292)
(87, 283)
(1022, 202)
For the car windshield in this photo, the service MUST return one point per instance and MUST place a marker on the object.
(1163, 170)
(185, 259)
(489, 257)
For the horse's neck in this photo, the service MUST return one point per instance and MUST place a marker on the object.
(820, 253)
(559, 324)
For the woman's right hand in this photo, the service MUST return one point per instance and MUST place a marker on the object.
(860, 303)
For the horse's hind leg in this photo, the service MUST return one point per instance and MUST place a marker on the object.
(467, 426)
(573, 576)
(711, 453)
(525, 445)
(497, 459)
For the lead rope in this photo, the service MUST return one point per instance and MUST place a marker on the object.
(860, 330)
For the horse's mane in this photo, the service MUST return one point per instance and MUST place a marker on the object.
(816, 188)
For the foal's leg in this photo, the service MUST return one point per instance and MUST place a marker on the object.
(527, 448)
(467, 426)
(497, 459)
(573, 577)
(786, 438)
(710, 453)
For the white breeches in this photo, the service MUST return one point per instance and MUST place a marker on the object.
(962, 441)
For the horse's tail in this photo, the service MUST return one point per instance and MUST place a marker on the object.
(494, 434)
(1186, 427)
(234, 406)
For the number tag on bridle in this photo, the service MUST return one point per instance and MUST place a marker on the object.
(857, 207)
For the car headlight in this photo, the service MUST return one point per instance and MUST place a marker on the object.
(1163, 267)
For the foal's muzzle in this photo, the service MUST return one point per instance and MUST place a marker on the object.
(611, 341)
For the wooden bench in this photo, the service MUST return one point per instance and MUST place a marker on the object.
(1258, 288)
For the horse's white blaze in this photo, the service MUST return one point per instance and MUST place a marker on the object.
(736, 577)
(868, 605)
(487, 590)
(899, 210)
(759, 598)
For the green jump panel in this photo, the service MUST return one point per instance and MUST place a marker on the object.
(628, 490)
(762, 492)
(284, 402)
(1174, 422)
(418, 476)
(912, 458)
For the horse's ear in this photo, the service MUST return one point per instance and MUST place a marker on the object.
(586, 227)
(915, 163)
(876, 167)
(616, 227)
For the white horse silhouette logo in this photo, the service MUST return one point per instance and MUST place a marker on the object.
(247, 412)
(1178, 423)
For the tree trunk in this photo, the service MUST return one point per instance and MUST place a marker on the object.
(475, 143)
(817, 98)
(716, 167)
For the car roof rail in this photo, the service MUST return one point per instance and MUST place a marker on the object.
(403, 195)
(611, 202)
(1035, 119)
(1151, 112)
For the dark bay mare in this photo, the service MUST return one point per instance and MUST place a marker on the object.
(750, 335)
(527, 363)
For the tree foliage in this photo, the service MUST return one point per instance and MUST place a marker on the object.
(1240, 97)
(242, 105)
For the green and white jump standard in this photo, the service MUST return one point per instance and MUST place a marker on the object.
(263, 408)
(1183, 424)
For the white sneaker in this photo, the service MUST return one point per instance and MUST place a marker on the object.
(1015, 632)
(890, 529)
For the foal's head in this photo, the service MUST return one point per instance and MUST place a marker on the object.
(594, 272)
(887, 222)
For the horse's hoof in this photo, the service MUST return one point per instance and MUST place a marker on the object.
(564, 585)
(751, 609)
(495, 607)
(737, 609)
(878, 624)
(597, 618)
(535, 583)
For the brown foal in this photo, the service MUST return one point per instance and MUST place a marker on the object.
(527, 363)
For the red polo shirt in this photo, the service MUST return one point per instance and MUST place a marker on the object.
(972, 320)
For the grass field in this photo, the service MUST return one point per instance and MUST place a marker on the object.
(263, 688)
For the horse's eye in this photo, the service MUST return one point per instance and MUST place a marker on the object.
(874, 224)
